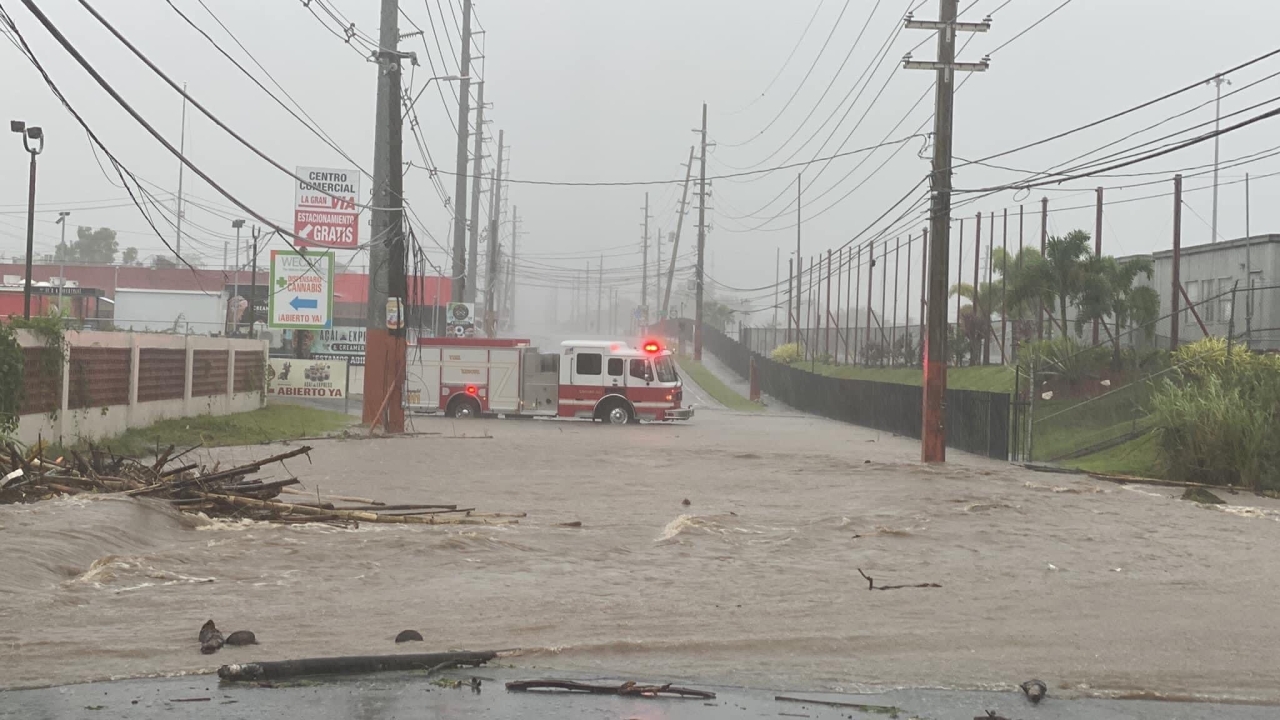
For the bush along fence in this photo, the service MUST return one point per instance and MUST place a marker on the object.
(977, 422)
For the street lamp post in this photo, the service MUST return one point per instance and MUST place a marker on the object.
(62, 261)
(1218, 81)
(235, 322)
(29, 134)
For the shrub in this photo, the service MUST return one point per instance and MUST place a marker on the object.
(1216, 418)
(788, 354)
(1064, 359)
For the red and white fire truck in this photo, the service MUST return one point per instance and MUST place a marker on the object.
(609, 381)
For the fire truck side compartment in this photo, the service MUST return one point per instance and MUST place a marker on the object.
(541, 381)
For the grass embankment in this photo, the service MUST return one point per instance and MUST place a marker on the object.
(269, 424)
(722, 393)
(987, 378)
(1136, 457)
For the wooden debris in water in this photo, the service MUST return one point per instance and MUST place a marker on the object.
(628, 689)
(214, 491)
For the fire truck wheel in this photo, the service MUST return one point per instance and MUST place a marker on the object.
(615, 412)
(464, 408)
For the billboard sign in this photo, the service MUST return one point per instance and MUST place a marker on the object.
(301, 290)
(293, 377)
(326, 210)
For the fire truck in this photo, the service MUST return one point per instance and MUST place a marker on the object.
(609, 381)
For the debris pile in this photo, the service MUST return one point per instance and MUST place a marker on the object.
(213, 491)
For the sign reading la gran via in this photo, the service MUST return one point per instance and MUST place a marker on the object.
(301, 290)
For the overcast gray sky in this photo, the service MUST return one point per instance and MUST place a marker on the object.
(594, 90)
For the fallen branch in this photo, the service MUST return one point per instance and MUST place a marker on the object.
(358, 664)
(628, 689)
(884, 709)
(871, 584)
(362, 516)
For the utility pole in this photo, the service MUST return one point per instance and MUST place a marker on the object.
(1218, 81)
(933, 445)
(1174, 320)
(1097, 251)
(384, 314)
(1044, 243)
(182, 150)
(976, 342)
(235, 319)
(657, 276)
(256, 232)
(799, 283)
(459, 293)
(1248, 271)
(644, 267)
(599, 293)
(790, 293)
(675, 246)
(473, 252)
(702, 238)
(495, 213)
(511, 266)
(62, 265)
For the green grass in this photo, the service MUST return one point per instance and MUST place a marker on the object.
(269, 424)
(722, 393)
(988, 378)
(1136, 457)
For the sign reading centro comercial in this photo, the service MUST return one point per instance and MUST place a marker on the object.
(301, 290)
(325, 210)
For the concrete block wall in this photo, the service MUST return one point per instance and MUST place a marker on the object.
(93, 405)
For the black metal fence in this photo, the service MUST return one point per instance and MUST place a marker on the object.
(977, 422)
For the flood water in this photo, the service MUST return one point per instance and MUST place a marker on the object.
(1090, 586)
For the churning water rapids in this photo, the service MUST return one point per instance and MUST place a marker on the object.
(1090, 586)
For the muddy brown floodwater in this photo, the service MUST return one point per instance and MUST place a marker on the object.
(1090, 586)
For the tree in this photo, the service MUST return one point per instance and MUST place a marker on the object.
(160, 261)
(90, 246)
(130, 256)
(1108, 290)
(1066, 258)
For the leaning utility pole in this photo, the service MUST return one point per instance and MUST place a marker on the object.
(644, 267)
(473, 252)
(384, 315)
(675, 246)
(460, 177)
(933, 445)
(491, 281)
(702, 239)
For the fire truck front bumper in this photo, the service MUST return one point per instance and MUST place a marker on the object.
(683, 413)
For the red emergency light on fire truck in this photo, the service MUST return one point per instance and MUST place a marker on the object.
(609, 381)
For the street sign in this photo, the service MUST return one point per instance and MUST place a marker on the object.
(460, 319)
(301, 290)
(325, 210)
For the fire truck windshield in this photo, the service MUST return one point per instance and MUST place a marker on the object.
(665, 369)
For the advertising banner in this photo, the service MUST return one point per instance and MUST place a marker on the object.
(291, 377)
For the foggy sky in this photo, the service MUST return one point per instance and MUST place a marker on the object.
(610, 91)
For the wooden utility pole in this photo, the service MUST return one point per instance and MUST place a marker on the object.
(702, 238)
(897, 259)
(871, 265)
(933, 445)
(1005, 341)
(826, 334)
(799, 285)
(495, 223)
(459, 293)
(1097, 252)
(924, 286)
(1044, 243)
(473, 250)
(1174, 320)
(975, 342)
(675, 245)
(790, 292)
(385, 352)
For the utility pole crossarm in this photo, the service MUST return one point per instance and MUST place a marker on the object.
(910, 64)
(913, 24)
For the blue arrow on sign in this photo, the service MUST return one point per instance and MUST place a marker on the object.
(298, 303)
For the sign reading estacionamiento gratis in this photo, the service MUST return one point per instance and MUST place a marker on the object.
(325, 207)
(301, 290)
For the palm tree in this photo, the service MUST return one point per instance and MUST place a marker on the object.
(1066, 257)
(1107, 289)
(1027, 289)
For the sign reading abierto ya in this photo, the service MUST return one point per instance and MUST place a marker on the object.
(325, 211)
(301, 289)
